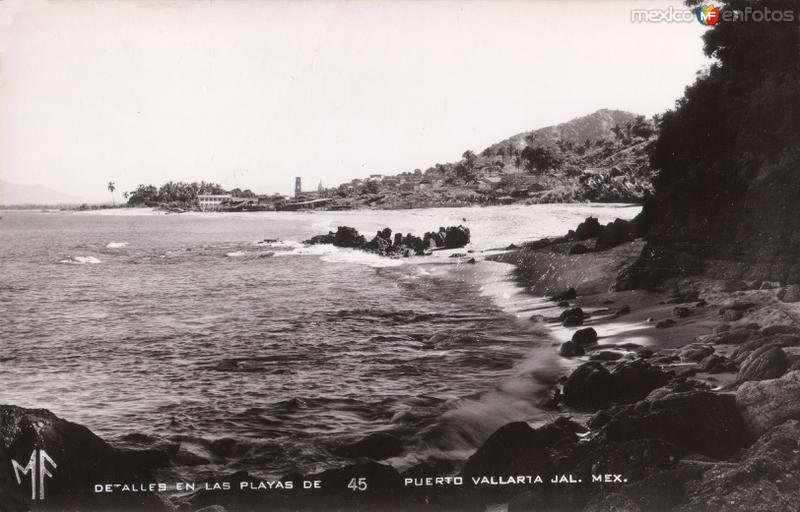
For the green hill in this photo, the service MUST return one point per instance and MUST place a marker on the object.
(599, 157)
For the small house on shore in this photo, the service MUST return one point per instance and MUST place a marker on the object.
(212, 202)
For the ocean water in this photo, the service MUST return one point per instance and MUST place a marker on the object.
(152, 328)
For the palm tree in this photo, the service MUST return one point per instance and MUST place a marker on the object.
(112, 188)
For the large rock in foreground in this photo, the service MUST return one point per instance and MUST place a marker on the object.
(767, 403)
(766, 478)
(696, 421)
(591, 386)
(80, 460)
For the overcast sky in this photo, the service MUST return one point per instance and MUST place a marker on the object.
(251, 94)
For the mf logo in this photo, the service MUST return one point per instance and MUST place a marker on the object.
(707, 14)
(37, 467)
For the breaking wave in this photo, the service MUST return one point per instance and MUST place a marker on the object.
(80, 260)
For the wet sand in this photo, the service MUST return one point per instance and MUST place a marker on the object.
(552, 270)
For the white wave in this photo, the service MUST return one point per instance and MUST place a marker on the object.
(81, 260)
(332, 254)
(362, 258)
(280, 244)
(236, 254)
(312, 250)
(116, 245)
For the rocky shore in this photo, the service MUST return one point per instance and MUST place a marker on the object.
(683, 396)
(383, 243)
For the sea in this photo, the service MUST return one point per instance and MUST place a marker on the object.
(226, 335)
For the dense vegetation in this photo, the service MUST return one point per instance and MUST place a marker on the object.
(178, 193)
(736, 128)
(599, 157)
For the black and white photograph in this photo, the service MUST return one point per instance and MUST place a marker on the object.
(385, 255)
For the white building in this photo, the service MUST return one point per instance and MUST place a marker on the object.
(211, 202)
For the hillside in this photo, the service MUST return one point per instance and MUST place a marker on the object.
(726, 196)
(599, 157)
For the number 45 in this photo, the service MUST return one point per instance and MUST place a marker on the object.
(359, 484)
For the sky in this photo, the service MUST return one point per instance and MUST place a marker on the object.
(251, 94)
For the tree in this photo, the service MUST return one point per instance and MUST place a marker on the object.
(737, 119)
(465, 170)
(112, 188)
(466, 173)
(540, 159)
(142, 195)
(372, 187)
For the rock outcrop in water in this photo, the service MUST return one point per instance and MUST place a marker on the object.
(451, 237)
(80, 460)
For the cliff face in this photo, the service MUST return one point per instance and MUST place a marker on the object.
(728, 157)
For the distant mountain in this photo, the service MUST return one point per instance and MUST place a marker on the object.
(596, 126)
(602, 157)
(12, 194)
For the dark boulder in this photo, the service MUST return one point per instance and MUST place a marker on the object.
(572, 321)
(589, 228)
(82, 460)
(730, 337)
(768, 403)
(766, 477)
(456, 236)
(513, 449)
(571, 349)
(634, 380)
(664, 324)
(731, 315)
(589, 386)
(780, 329)
(587, 336)
(715, 363)
(568, 294)
(605, 355)
(378, 244)
(695, 352)
(618, 232)
(575, 311)
(790, 294)
(348, 237)
(681, 311)
(660, 490)
(696, 421)
(767, 362)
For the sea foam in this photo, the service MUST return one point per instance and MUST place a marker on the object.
(80, 260)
